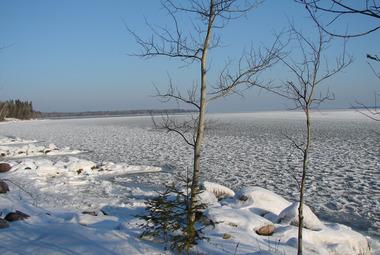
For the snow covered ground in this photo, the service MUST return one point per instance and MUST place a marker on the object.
(247, 149)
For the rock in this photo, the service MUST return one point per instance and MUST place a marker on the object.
(5, 167)
(267, 230)
(3, 223)
(16, 216)
(290, 216)
(219, 191)
(93, 213)
(226, 236)
(4, 188)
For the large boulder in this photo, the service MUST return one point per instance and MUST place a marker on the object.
(4, 188)
(16, 216)
(262, 201)
(5, 167)
(290, 216)
(266, 230)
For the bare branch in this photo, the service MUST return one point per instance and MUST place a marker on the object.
(339, 9)
(183, 128)
(250, 66)
(173, 93)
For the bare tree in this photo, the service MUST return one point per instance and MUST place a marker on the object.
(311, 71)
(326, 13)
(337, 10)
(192, 47)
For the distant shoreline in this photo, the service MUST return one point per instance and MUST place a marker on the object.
(100, 114)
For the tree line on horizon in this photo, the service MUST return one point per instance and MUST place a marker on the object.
(17, 109)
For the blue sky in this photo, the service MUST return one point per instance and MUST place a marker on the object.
(73, 55)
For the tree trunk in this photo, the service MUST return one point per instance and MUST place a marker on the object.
(303, 179)
(200, 133)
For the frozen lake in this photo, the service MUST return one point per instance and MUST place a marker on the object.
(240, 150)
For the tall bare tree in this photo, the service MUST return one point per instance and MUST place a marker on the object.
(192, 45)
(310, 72)
(326, 13)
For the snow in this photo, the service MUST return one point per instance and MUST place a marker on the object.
(112, 227)
(125, 161)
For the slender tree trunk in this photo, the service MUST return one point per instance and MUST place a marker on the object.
(303, 179)
(200, 132)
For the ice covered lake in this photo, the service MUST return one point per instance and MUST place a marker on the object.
(242, 149)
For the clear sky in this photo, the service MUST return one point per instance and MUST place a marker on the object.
(72, 55)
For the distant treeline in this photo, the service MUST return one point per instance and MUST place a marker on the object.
(17, 109)
(24, 110)
(110, 113)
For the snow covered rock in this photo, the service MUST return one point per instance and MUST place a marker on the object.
(243, 219)
(290, 216)
(219, 191)
(334, 239)
(31, 150)
(207, 198)
(46, 168)
(263, 201)
(27, 164)
(102, 222)
(80, 166)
